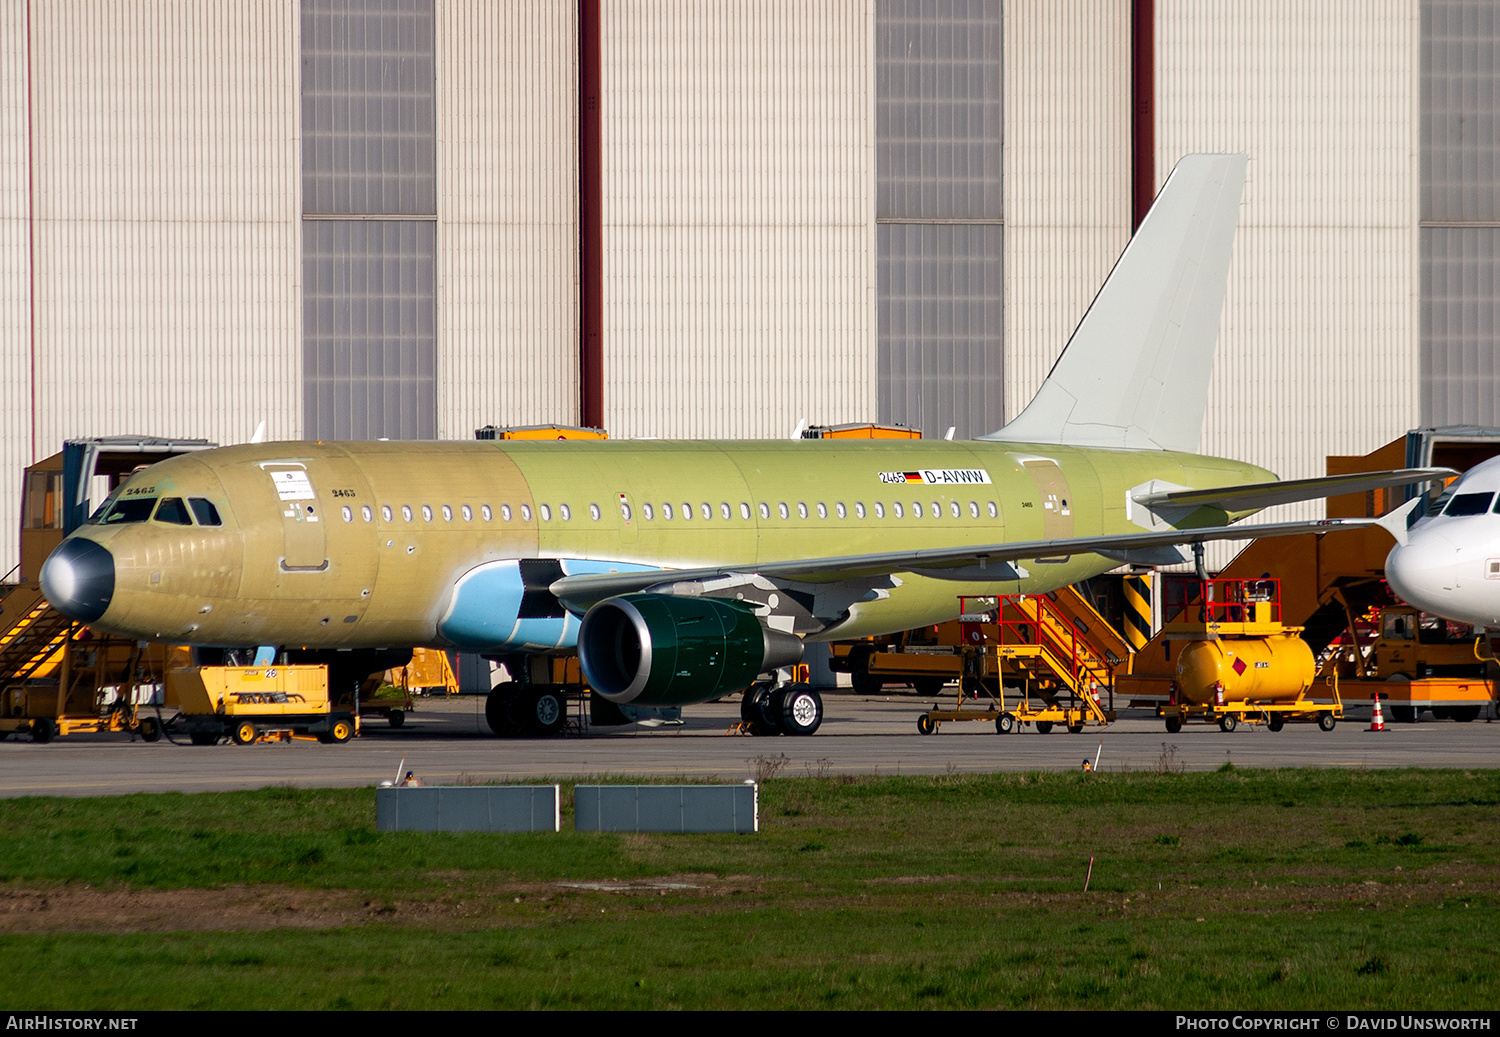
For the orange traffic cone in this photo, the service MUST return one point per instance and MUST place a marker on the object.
(1377, 719)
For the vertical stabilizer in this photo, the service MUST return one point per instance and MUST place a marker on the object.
(1135, 373)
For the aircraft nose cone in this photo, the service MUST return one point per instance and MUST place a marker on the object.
(78, 579)
(1424, 573)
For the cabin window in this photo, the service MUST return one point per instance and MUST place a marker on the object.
(687, 511)
(647, 512)
(896, 509)
(447, 513)
(724, 511)
(666, 512)
(566, 512)
(427, 513)
(348, 513)
(916, 509)
(708, 512)
(802, 509)
(625, 511)
(879, 510)
(841, 510)
(822, 510)
(973, 509)
(859, 509)
(406, 512)
(173, 512)
(525, 512)
(994, 510)
(208, 515)
(765, 510)
(955, 509)
(504, 512)
(386, 513)
(594, 512)
(486, 514)
(546, 511)
(783, 511)
(134, 509)
(744, 510)
(937, 510)
(467, 512)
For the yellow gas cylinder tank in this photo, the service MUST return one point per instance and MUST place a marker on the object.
(1278, 668)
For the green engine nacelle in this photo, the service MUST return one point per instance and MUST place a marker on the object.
(662, 650)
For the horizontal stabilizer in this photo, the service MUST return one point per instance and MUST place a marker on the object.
(1265, 495)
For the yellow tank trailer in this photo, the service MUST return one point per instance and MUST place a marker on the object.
(247, 704)
(1237, 662)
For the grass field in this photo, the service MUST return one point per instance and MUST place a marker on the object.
(1237, 889)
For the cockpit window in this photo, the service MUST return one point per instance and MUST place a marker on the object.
(207, 514)
(128, 509)
(173, 512)
(1469, 504)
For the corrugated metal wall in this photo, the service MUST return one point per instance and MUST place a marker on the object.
(166, 218)
(739, 216)
(1317, 354)
(507, 214)
(15, 277)
(1318, 347)
(1067, 174)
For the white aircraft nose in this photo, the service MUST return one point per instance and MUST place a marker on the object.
(1426, 572)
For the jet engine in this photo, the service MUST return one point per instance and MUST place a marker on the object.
(663, 650)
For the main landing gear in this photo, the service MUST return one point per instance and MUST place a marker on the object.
(526, 710)
(791, 709)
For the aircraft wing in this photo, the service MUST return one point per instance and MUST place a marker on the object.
(975, 563)
(1264, 495)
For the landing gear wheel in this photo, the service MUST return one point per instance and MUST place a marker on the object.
(204, 737)
(1005, 724)
(497, 709)
(340, 731)
(244, 733)
(801, 709)
(396, 717)
(547, 713)
(43, 730)
(756, 712)
(1174, 725)
(149, 729)
(928, 686)
(1326, 722)
(1075, 729)
(925, 724)
(1228, 722)
(1044, 727)
(1276, 722)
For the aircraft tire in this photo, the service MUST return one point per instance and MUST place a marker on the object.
(149, 729)
(546, 712)
(757, 712)
(1228, 722)
(799, 709)
(396, 717)
(1044, 727)
(43, 730)
(1326, 722)
(1174, 725)
(497, 710)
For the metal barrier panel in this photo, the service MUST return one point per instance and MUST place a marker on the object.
(477, 808)
(667, 808)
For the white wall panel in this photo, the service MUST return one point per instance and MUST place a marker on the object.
(1318, 350)
(507, 214)
(739, 216)
(15, 277)
(167, 218)
(1067, 173)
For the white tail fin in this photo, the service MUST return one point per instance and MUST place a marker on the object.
(1135, 373)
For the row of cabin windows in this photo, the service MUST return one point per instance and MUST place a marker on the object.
(685, 512)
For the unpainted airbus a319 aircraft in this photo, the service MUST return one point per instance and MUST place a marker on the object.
(685, 570)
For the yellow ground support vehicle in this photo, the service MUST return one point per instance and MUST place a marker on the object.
(1416, 662)
(246, 704)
